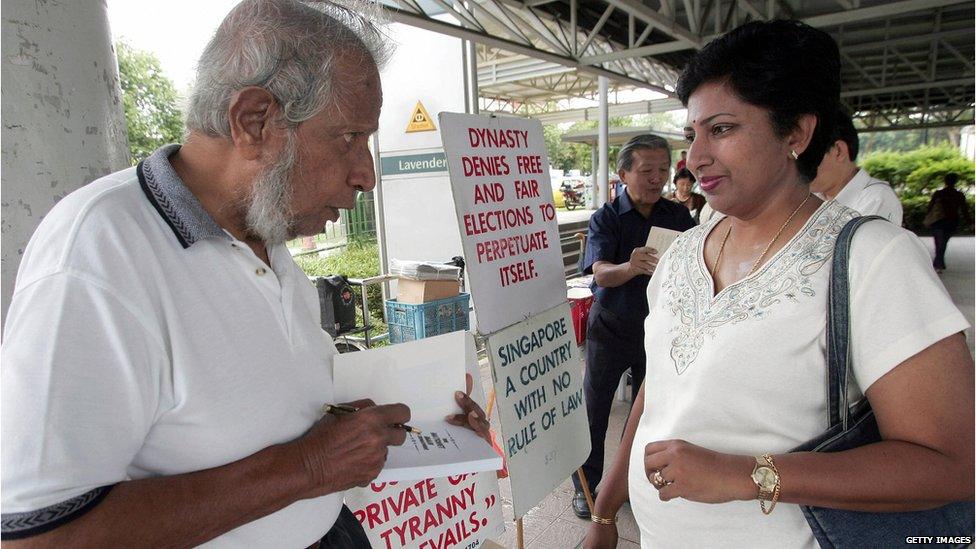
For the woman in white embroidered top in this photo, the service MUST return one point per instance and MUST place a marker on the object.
(735, 338)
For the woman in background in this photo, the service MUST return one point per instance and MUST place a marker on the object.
(684, 182)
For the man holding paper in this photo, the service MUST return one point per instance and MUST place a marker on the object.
(164, 369)
(621, 263)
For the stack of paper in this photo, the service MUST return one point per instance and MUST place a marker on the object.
(420, 270)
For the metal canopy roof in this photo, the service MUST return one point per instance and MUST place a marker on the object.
(619, 136)
(905, 64)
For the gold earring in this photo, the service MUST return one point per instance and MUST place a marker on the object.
(794, 155)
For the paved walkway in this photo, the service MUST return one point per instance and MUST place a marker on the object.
(552, 524)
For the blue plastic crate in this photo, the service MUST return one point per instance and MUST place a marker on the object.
(410, 321)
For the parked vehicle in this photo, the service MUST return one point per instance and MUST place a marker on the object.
(572, 192)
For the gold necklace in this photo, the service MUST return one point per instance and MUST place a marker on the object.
(721, 248)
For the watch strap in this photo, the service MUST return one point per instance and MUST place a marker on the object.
(774, 497)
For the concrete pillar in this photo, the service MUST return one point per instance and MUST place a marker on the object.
(63, 124)
(603, 146)
(591, 200)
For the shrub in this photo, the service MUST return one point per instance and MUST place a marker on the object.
(915, 175)
(918, 173)
(929, 178)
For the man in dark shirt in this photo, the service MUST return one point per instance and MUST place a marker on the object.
(622, 266)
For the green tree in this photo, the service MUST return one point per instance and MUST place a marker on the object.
(907, 140)
(558, 151)
(578, 156)
(152, 118)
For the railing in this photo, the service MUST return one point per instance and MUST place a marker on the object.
(360, 222)
(333, 236)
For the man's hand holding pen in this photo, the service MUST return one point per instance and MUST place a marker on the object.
(343, 409)
(349, 449)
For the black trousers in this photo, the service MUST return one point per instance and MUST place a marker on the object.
(942, 231)
(346, 533)
(613, 346)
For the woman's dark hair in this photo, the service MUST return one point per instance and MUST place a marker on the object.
(951, 179)
(786, 67)
(684, 173)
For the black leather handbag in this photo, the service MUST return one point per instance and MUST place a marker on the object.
(854, 426)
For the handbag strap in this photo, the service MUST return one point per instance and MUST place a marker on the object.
(839, 324)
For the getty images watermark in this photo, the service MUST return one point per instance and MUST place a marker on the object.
(955, 540)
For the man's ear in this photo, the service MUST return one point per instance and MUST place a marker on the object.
(799, 138)
(843, 151)
(250, 114)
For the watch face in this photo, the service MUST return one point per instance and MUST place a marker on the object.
(765, 478)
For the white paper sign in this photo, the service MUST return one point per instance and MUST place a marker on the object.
(500, 180)
(538, 379)
(457, 511)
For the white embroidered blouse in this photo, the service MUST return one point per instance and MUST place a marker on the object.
(744, 371)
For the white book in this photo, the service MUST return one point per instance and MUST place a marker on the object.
(424, 375)
(441, 450)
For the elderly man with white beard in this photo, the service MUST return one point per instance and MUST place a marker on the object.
(163, 364)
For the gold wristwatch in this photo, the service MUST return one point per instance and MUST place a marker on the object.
(766, 477)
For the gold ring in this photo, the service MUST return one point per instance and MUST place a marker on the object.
(657, 479)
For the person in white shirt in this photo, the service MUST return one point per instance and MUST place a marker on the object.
(839, 178)
(164, 367)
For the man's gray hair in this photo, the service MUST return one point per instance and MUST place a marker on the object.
(287, 47)
(625, 159)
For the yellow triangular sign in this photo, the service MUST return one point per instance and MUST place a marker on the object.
(420, 121)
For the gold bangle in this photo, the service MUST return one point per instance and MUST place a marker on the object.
(601, 520)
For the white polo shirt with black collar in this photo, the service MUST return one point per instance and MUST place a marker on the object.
(143, 340)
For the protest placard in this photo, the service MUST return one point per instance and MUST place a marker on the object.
(503, 197)
(454, 512)
(538, 379)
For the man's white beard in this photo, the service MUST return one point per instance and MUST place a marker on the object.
(268, 216)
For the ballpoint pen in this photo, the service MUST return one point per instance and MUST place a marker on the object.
(341, 409)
